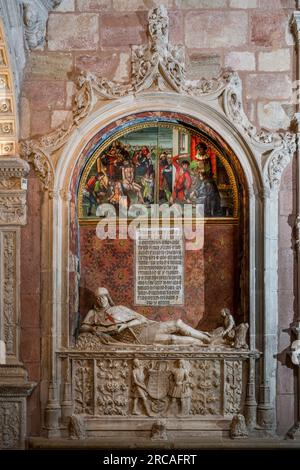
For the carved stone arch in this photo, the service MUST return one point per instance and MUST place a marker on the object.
(249, 158)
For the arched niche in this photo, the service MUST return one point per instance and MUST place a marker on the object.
(261, 164)
(215, 276)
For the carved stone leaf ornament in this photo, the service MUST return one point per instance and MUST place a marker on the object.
(112, 387)
(10, 423)
(8, 300)
(206, 394)
(83, 387)
(278, 160)
(233, 386)
(160, 66)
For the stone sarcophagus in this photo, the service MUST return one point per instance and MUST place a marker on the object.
(192, 390)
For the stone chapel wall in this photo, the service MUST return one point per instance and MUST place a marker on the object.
(251, 36)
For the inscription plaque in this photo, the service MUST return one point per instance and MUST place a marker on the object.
(159, 267)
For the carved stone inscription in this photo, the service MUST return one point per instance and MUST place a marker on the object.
(159, 256)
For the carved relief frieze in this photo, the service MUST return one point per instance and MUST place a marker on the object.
(166, 387)
(11, 183)
(10, 424)
(12, 207)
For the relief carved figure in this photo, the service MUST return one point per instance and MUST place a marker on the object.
(230, 334)
(34, 27)
(181, 388)
(139, 389)
(117, 323)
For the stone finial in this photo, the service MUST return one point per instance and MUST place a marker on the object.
(158, 25)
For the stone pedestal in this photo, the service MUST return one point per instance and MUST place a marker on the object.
(116, 390)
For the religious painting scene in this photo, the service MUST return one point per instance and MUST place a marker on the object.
(158, 164)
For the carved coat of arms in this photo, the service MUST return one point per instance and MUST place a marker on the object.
(158, 381)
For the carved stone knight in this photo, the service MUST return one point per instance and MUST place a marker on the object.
(118, 323)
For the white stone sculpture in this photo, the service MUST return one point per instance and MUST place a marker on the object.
(181, 388)
(229, 333)
(139, 389)
(118, 323)
(34, 27)
(295, 352)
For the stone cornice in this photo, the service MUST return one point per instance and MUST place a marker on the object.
(13, 167)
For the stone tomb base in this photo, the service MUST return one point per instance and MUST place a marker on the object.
(154, 392)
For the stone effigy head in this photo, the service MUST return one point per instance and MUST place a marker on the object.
(103, 298)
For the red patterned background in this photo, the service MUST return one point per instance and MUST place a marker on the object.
(211, 275)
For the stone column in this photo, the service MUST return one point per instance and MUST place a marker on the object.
(14, 385)
(274, 162)
(267, 399)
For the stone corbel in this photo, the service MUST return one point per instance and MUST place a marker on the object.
(275, 161)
